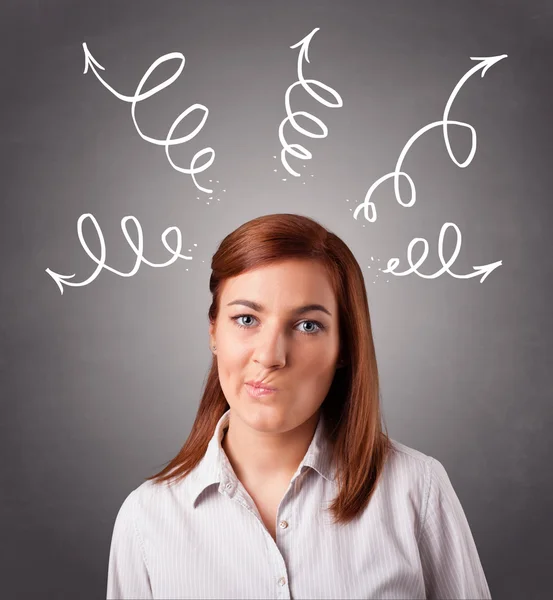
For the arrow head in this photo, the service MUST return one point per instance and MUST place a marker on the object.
(59, 279)
(90, 60)
(485, 270)
(488, 61)
(304, 43)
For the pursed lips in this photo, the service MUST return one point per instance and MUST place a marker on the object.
(261, 387)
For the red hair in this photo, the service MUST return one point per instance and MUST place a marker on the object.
(351, 407)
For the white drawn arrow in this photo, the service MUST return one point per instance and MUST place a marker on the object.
(94, 65)
(483, 270)
(62, 280)
(298, 150)
(484, 64)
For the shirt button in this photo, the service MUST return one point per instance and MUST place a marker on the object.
(281, 581)
(229, 486)
(283, 524)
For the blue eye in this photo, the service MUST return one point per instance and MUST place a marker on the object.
(320, 326)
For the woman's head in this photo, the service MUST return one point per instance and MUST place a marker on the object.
(278, 325)
(283, 262)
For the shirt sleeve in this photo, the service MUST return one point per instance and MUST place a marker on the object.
(128, 575)
(450, 561)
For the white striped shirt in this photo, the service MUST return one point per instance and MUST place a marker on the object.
(204, 537)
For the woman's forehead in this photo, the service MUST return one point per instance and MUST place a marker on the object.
(281, 284)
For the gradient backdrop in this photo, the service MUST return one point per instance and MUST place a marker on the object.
(100, 385)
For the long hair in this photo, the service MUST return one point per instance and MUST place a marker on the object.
(351, 408)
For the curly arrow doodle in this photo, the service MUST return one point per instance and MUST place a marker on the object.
(62, 280)
(483, 270)
(484, 64)
(93, 64)
(298, 150)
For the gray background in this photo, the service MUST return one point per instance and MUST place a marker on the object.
(99, 385)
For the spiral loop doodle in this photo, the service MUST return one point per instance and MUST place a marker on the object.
(368, 206)
(298, 150)
(482, 271)
(139, 96)
(63, 280)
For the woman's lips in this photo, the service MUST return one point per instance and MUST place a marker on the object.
(257, 392)
(260, 384)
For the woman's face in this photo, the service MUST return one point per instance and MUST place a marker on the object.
(291, 351)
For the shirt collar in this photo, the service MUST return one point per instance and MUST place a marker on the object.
(215, 467)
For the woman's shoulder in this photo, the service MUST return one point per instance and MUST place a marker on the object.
(148, 497)
(409, 455)
(408, 467)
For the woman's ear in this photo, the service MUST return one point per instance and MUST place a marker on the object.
(211, 335)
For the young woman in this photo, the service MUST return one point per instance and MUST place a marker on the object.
(287, 486)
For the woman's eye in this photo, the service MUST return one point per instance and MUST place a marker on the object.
(241, 317)
(310, 330)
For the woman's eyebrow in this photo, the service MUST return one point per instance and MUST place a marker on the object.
(298, 311)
